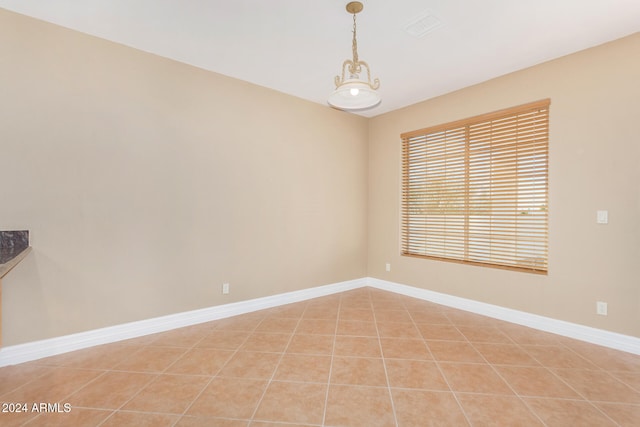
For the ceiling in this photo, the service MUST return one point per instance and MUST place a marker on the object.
(298, 46)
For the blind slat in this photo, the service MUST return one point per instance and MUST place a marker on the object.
(476, 190)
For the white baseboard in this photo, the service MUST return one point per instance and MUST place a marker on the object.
(21, 353)
(50, 347)
(572, 330)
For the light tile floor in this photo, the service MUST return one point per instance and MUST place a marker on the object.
(361, 358)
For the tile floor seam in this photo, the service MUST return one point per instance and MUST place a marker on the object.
(597, 408)
(374, 387)
(79, 389)
(619, 381)
(637, 390)
(157, 376)
(107, 418)
(194, 345)
(159, 373)
(541, 362)
(521, 399)
(567, 400)
(437, 363)
(289, 381)
(513, 342)
(566, 383)
(610, 374)
(574, 351)
(384, 365)
(535, 413)
(333, 350)
(516, 394)
(195, 399)
(597, 367)
(607, 373)
(34, 419)
(609, 402)
(136, 411)
(255, 411)
(453, 393)
(486, 362)
(49, 369)
(185, 351)
(244, 420)
(264, 351)
(17, 389)
(85, 385)
(523, 348)
(424, 341)
(524, 396)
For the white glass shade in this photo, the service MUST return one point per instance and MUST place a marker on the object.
(354, 94)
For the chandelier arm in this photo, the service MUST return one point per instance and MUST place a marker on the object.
(376, 82)
(347, 64)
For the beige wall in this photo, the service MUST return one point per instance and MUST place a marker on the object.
(147, 183)
(594, 164)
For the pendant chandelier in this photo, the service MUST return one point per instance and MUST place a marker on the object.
(354, 92)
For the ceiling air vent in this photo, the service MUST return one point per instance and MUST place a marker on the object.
(422, 25)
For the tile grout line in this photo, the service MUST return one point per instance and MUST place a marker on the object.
(581, 398)
(384, 364)
(155, 377)
(333, 350)
(49, 368)
(104, 373)
(573, 351)
(437, 362)
(54, 368)
(585, 398)
(493, 368)
(275, 369)
(543, 365)
(194, 345)
(184, 413)
(186, 350)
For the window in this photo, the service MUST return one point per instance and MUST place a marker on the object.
(476, 190)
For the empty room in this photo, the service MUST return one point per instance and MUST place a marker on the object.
(319, 213)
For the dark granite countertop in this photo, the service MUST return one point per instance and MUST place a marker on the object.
(7, 266)
(8, 254)
(14, 246)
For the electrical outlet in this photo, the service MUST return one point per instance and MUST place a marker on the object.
(388, 267)
(601, 308)
(602, 217)
(225, 288)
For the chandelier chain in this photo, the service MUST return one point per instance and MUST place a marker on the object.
(355, 41)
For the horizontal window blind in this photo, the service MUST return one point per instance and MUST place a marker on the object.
(476, 190)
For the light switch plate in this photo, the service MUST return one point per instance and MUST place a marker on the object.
(602, 217)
